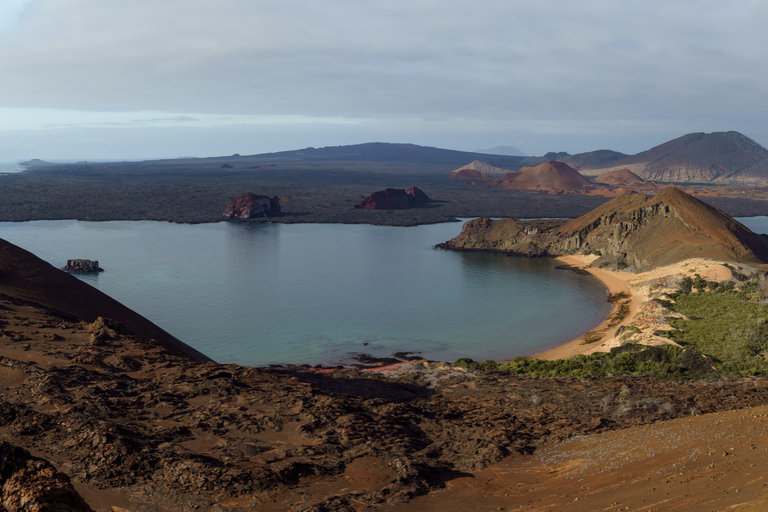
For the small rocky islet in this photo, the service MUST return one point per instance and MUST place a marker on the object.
(82, 266)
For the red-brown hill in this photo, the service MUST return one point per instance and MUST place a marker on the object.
(620, 178)
(549, 177)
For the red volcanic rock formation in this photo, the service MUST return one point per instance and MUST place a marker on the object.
(394, 199)
(250, 206)
(550, 176)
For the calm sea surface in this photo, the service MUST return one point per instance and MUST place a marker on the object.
(317, 293)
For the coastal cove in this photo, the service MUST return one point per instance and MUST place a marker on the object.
(260, 294)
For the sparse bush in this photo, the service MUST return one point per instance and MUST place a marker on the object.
(465, 362)
(488, 365)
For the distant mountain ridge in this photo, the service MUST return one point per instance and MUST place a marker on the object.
(718, 158)
(389, 152)
(501, 150)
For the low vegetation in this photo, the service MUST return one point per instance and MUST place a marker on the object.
(668, 362)
(721, 330)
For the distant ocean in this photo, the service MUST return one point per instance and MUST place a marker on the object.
(6, 168)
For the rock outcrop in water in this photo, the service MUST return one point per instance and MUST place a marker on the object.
(252, 206)
(79, 266)
(394, 199)
(631, 230)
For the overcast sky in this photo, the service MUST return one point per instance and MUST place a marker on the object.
(96, 79)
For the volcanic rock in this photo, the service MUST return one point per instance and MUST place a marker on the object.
(31, 484)
(394, 199)
(251, 206)
(83, 266)
(632, 230)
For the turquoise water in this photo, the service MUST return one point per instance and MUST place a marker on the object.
(316, 293)
(757, 224)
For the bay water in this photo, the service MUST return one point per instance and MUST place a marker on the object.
(260, 294)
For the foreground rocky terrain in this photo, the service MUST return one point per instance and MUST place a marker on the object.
(138, 427)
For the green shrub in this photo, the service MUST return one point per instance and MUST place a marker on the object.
(727, 326)
(465, 362)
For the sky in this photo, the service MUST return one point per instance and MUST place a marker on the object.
(116, 79)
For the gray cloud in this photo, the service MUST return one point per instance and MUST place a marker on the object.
(526, 70)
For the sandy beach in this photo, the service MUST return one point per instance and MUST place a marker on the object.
(640, 311)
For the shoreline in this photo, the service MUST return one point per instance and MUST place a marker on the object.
(615, 283)
(638, 308)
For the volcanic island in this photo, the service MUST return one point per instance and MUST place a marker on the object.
(102, 410)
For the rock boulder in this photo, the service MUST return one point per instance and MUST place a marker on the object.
(394, 199)
(251, 206)
(80, 266)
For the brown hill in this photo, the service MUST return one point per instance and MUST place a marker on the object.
(620, 178)
(630, 230)
(23, 275)
(549, 176)
(720, 157)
